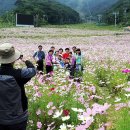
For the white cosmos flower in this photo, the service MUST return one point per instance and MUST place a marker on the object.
(65, 118)
(77, 110)
(63, 127)
(70, 126)
(57, 114)
(127, 95)
(67, 73)
(84, 118)
(118, 99)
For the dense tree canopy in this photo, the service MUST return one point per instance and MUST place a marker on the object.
(47, 10)
(122, 8)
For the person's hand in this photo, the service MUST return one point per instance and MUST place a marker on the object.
(23, 60)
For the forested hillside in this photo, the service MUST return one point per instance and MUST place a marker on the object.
(89, 7)
(84, 7)
(47, 11)
(122, 8)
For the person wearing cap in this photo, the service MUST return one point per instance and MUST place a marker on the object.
(13, 100)
(39, 56)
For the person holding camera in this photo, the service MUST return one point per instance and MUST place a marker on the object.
(13, 100)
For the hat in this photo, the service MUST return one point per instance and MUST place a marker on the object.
(8, 54)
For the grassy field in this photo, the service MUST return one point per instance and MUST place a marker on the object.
(74, 26)
(100, 101)
(88, 26)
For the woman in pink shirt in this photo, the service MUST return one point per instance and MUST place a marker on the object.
(48, 61)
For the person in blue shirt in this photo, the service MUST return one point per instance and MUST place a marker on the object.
(61, 62)
(39, 57)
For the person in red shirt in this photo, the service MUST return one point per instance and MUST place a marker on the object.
(66, 54)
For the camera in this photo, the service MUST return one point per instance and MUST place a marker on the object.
(21, 57)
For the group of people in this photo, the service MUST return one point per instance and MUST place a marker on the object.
(13, 100)
(70, 59)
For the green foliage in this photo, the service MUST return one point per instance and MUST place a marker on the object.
(82, 6)
(105, 77)
(123, 123)
(123, 7)
(47, 10)
(87, 26)
(8, 19)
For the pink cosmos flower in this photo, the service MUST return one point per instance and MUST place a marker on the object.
(89, 122)
(38, 112)
(101, 109)
(38, 94)
(50, 112)
(93, 89)
(102, 128)
(95, 96)
(81, 127)
(120, 105)
(50, 104)
(126, 71)
(39, 125)
(35, 88)
(53, 108)
(127, 89)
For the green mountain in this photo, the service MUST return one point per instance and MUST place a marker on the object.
(89, 7)
(122, 9)
(46, 11)
(84, 7)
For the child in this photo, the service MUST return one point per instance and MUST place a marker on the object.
(61, 51)
(66, 54)
(61, 62)
(67, 63)
(56, 56)
(55, 60)
(48, 61)
(78, 60)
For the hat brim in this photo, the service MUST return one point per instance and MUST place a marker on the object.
(11, 59)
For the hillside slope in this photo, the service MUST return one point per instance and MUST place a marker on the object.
(89, 7)
(84, 7)
(53, 12)
(123, 8)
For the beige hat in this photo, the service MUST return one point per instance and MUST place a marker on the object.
(8, 54)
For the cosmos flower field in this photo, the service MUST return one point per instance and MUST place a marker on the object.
(101, 101)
